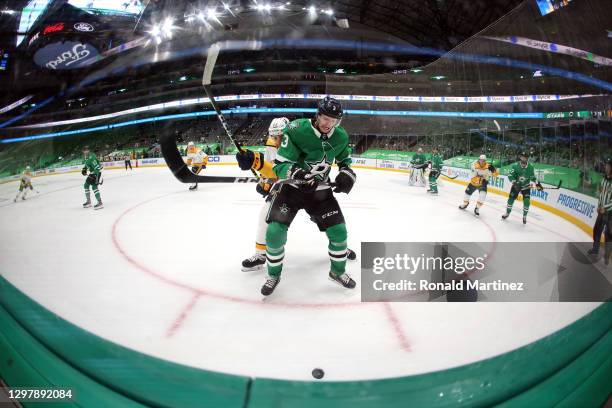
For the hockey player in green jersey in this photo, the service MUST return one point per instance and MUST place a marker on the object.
(93, 180)
(522, 174)
(307, 150)
(419, 164)
(436, 167)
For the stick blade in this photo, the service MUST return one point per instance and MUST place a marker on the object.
(211, 60)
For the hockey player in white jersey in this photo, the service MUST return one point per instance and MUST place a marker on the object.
(197, 159)
(263, 165)
(24, 184)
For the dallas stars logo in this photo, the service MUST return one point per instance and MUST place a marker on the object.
(284, 209)
(320, 168)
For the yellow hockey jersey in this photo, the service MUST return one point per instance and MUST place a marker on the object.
(481, 173)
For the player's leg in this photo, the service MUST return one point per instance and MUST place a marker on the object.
(92, 180)
(482, 196)
(285, 204)
(422, 181)
(607, 223)
(130, 164)
(258, 260)
(526, 203)
(433, 182)
(86, 187)
(412, 177)
(466, 198)
(511, 198)
(325, 211)
(196, 169)
(598, 229)
(21, 187)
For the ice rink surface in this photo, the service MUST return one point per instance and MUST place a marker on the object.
(158, 270)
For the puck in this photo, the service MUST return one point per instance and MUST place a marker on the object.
(318, 373)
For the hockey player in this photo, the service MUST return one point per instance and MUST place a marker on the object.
(522, 174)
(604, 215)
(24, 184)
(481, 171)
(419, 164)
(303, 162)
(264, 165)
(93, 180)
(436, 164)
(196, 158)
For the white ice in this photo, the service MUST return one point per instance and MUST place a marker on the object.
(158, 270)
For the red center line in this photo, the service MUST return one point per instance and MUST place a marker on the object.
(397, 328)
(178, 322)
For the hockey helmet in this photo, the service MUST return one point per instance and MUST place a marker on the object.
(277, 125)
(329, 106)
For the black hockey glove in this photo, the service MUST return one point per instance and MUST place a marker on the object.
(84, 171)
(92, 179)
(263, 188)
(539, 186)
(345, 180)
(491, 168)
(434, 173)
(248, 159)
(307, 182)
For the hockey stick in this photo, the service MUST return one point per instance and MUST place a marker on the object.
(180, 169)
(553, 188)
(449, 177)
(211, 60)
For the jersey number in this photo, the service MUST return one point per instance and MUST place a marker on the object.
(285, 141)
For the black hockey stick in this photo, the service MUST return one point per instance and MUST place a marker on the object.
(211, 59)
(553, 188)
(181, 171)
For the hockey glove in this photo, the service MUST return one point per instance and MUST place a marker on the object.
(491, 168)
(92, 179)
(263, 188)
(345, 180)
(539, 186)
(248, 159)
(307, 181)
(84, 171)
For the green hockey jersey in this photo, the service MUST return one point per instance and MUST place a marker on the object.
(418, 159)
(92, 164)
(436, 162)
(302, 145)
(522, 175)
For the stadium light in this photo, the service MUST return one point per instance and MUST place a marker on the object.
(329, 12)
(167, 27)
(211, 13)
(267, 7)
(259, 7)
(312, 9)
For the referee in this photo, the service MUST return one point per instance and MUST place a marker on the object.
(604, 214)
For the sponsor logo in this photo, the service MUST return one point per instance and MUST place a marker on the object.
(542, 195)
(83, 27)
(386, 164)
(329, 214)
(214, 159)
(496, 182)
(360, 161)
(245, 180)
(580, 206)
(64, 55)
(404, 166)
(149, 161)
(53, 28)
(34, 38)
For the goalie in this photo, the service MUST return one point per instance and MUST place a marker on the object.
(197, 159)
(418, 164)
(481, 171)
(263, 164)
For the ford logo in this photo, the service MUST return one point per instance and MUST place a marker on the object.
(83, 27)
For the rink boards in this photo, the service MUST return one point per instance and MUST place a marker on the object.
(577, 208)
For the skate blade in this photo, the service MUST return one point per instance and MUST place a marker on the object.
(98, 208)
(341, 285)
(253, 269)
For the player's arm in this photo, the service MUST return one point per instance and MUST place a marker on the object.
(346, 177)
(286, 157)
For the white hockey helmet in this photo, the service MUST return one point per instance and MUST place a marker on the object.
(482, 157)
(27, 167)
(277, 125)
(420, 150)
(190, 144)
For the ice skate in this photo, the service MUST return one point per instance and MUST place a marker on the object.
(505, 216)
(270, 285)
(254, 263)
(524, 219)
(87, 204)
(344, 280)
(476, 211)
(99, 206)
(350, 254)
(463, 206)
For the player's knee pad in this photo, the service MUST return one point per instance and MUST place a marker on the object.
(482, 196)
(276, 235)
(337, 233)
